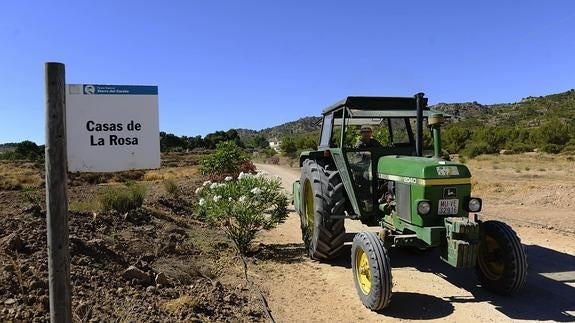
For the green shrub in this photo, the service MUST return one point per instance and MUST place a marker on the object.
(289, 146)
(475, 149)
(123, 198)
(171, 188)
(553, 132)
(226, 159)
(243, 206)
(569, 148)
(519, 147)
(455, 137)
(551, 148)
(268, 151)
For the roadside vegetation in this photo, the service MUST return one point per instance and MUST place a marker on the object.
(123, 198)
(241, 203)
(535, 124)
(553, 136)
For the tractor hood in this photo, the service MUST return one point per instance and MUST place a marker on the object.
(420, 168)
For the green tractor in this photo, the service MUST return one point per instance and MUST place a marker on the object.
(418, 198)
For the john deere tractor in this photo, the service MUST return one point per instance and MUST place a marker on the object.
(417, 197)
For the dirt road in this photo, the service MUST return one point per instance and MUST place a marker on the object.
(424, 288)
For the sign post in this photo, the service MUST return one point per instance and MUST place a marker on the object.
(57, 195)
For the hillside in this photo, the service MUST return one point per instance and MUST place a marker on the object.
(7, 147)
(301, 126)
(529, 112)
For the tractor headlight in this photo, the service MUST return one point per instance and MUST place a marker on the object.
(423, 207)
(474, 204)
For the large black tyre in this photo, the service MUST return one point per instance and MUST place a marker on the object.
(371, 270)
(322, 195)
(501, 263)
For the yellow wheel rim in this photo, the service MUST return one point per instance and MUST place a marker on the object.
(490, 259)
(363, 272)
(309, 207)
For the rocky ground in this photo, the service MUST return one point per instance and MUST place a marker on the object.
(151, 264)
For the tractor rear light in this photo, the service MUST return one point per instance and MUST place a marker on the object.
(423, 207)
(474, 204)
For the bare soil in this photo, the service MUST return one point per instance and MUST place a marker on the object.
(152, 264)
(537, 201)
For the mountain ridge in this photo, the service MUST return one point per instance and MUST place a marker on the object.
(528, 112)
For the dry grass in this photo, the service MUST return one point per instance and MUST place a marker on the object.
(180, 303)
(529, 163)
(171, 173)
(532, 179)
(90, 205)
(18, 176)
(22, 175)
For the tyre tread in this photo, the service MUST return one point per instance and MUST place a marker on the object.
(328, 236)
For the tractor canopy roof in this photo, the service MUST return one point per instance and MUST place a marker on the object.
(375, 103)
(371, 109)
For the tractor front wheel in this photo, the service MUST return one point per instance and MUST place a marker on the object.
(501, 263)
(371, 270)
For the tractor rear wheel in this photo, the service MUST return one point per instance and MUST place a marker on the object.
(501, 263)
(322, 196)
(371, 270)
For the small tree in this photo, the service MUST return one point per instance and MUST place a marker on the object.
(29, 150)
(289, 146)
(455, 137)
(226, 159)
(243, 207)
(553, 133)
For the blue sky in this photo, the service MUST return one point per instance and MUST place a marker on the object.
(257, 64)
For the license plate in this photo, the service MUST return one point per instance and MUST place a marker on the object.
(448, 207)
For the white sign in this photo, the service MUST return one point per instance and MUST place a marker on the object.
(112, 127)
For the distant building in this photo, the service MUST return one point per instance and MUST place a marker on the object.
(275, 144)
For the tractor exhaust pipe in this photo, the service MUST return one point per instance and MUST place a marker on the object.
(419, 102)
(435, 121)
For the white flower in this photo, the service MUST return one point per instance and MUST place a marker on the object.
(202, 201)
(217, 198)
(229, 199)
(198, 190)
(213, 185)
(206, 183)
(228, 178)
(244, 175)
(256, 190)
(261, 174)
(242, 199)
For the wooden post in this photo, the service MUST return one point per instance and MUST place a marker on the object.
(57, 195)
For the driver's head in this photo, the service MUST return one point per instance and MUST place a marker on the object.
(366, 132)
